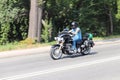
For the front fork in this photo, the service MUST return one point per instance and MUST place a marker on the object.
(61, 45)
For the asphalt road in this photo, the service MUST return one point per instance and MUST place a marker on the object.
(102, 64)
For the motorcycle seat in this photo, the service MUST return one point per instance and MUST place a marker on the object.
(79, 42)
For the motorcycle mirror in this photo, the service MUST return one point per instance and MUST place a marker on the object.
(66, 29)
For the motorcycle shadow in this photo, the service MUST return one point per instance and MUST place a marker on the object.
(78, 55)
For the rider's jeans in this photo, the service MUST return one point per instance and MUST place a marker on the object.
(75, 39)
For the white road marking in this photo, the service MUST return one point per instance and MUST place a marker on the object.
(26, 75)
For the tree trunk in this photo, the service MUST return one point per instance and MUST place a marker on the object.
(111, 22)
(35, 21)
(32, 32)
(40, 9)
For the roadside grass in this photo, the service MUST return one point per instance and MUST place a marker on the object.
(19, 46)
(105, 38)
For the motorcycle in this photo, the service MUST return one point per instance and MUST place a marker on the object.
(64, 45)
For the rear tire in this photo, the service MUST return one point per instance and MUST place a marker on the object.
(86, 51)
(56, 53)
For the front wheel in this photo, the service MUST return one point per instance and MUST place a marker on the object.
(56, 53)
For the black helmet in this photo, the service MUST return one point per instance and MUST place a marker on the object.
(74, 24)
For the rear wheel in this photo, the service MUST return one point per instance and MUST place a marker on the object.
(56, 53)
(86, 51)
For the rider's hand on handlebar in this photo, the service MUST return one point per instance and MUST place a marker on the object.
(71, 33)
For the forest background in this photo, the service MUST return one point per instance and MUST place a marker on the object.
(41, 20)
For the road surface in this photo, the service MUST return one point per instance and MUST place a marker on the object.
(102, 64)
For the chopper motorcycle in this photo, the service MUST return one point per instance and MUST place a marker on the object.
(64, 45)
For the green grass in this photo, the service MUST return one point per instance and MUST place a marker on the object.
(7, 47)
(108, 37)
(18, 46)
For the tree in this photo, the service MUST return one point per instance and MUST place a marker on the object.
(32, 33)
(20, 19)
(40, 15)
(35, 18)
(110, 11)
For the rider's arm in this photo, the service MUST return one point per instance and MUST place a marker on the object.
(77, 30)
(70, 31)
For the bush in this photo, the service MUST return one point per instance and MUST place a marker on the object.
(28, 41)
(13, 20)
(46, 32)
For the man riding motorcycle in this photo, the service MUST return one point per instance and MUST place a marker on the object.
(77, 35)
(70, 44)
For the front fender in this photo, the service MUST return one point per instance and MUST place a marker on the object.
(53, 46)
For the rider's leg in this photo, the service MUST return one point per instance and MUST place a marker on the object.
(74, 45)
(75, 39)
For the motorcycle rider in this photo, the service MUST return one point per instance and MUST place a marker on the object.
(77, 35)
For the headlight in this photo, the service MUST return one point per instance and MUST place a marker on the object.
(56, 38)
(60, 39)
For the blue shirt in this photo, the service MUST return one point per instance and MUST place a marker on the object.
(77, 33)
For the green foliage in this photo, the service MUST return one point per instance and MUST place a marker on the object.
(4, 33)
(92, 16)
(46, 33)
(118, 9)
(41, 2)
(13, 20)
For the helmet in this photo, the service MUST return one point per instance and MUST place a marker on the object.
(74, 24)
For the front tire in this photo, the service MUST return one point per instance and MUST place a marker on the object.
(56, 53)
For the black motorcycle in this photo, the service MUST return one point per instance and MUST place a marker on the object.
(64, 45)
